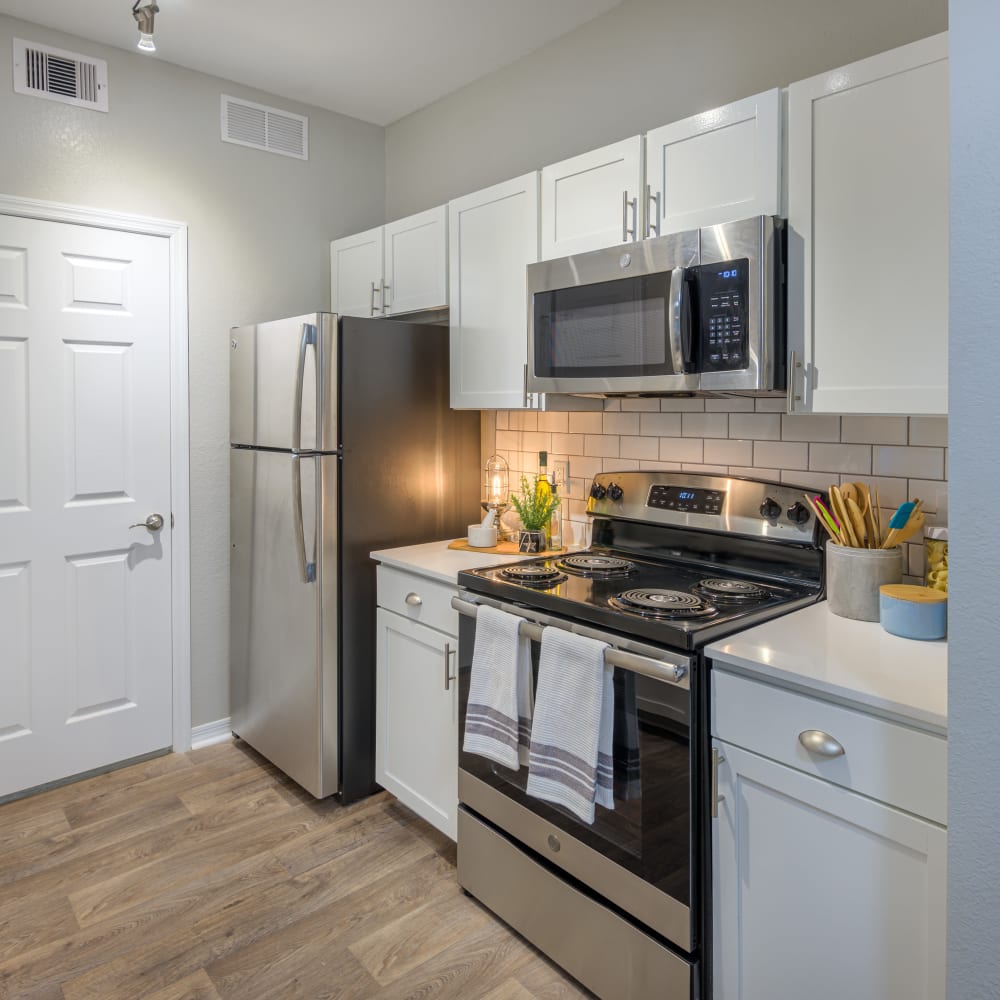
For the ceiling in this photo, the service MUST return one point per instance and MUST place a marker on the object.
(377, 60)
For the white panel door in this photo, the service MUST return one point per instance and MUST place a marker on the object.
(416, 718)
(719, 166)
(820, 892)
(416, 262)
(593, 200)
(868, 242)
(493, 236)
(356, 274)
(85, 600)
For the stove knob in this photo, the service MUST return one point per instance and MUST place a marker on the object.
(770, 509)
(598, 492)
(798, 513)
(615, 491)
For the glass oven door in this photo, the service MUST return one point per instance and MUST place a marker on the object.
(638, 855)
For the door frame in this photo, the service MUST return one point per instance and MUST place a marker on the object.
(180, 506)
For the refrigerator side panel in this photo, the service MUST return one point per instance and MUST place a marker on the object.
(278, 374)
(276, 622)
(410, 473)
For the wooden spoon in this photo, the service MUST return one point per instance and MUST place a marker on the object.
(857, 521)
(840, 510)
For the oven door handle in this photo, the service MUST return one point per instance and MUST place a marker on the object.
(673, 673)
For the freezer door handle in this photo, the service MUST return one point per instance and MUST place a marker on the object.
(306, 568)
(308, 337)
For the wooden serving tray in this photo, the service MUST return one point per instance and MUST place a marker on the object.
(502, 549)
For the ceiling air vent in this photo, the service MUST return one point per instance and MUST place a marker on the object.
(56, 75)
(261, 127)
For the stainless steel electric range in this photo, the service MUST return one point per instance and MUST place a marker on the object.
(677, 560)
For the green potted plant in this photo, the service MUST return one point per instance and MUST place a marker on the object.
(534, 507)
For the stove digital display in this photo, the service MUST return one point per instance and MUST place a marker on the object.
(686, 500)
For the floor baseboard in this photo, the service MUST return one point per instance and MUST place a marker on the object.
(211, 732)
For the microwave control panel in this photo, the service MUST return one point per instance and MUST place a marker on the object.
(723, 309)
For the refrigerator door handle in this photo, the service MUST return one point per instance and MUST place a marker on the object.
(308, 337)
(307, 569)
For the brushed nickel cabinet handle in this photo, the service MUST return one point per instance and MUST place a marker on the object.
(823, 744)
(448, 675)
(627, 203)
(414, 600)
(794, 367)
(716, 798)
(652, 201)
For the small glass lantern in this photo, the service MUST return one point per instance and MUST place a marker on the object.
(496, 486)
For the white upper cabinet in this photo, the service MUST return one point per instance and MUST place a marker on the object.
(416, 262)
(401, 267)
(356, 274)
(868, 241)
(593, 200)
(719, 166)
(493, 236)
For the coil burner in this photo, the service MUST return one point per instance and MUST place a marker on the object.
(650, 603)
(732, 591)
(533, 575)
(596, 566)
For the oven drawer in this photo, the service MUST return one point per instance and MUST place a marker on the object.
(418, 598)
(897, 765)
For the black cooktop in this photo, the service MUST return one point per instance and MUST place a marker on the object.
(669, 602)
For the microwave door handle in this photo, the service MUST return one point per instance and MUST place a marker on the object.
(679, 327)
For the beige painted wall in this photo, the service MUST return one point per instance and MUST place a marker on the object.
(259, 231)
(644, 64)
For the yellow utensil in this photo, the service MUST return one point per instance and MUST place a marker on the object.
(840, 512)
(857, 521)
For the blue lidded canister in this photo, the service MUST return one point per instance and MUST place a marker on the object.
(913, 612)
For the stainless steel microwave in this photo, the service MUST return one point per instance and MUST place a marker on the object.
(701, 311)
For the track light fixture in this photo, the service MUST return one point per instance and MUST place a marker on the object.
(144, 19)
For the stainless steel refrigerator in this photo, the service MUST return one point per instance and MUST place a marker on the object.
(342, 442)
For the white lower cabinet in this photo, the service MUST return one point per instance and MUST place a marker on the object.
(820, 891)
(416, 707)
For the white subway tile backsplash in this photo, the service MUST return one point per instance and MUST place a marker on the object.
(710, 470)
(756, 426)
(535, 441)
(554, 423)
(523, 420)
(680, 404)
(585, 468)
(601, 445)
(873, 430)
(734, 404)
(586, 423)
(851, 458)
(508, 440)
(891, 492)
(772, 404)
(705, 425)
(621, 423)
(682, 449)
(780, 454)
(809, 427)
(919, 463)
(502, 418)
(644, 405)
(754, 473)
(934, 494)
(927, 431)
(640, 447)
(568, 444)
(620, 464)
(612, 406)
(728, 452)
(660, 466)
(808, 480)
(660, 424)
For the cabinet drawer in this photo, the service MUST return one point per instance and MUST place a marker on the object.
(903, 767)
(418, 598)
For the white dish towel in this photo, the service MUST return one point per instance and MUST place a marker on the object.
(571, 736)
(498, 716)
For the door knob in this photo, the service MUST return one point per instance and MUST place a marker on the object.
(153, 523)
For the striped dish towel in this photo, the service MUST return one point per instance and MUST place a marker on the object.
(571, 735)
(498, 717)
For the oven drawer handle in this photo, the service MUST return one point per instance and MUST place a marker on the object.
(672, 672)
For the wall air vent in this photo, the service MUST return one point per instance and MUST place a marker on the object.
(56, 75)
(269, 129)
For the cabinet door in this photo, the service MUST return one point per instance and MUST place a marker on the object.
(868, 246)
(416, 718)
(593, 200)
(356, 274)
(820, 892)
(493, 236)
(416, 262)
(720, 166)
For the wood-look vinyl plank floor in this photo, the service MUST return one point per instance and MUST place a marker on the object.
(211, 876)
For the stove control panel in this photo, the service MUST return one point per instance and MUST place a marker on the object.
(727, 504)
(686, 498)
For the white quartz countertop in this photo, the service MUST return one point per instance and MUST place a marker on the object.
(851, 662)
(437, 561)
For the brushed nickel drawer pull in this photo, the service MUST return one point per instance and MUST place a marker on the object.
(823, 744)
(414, 600)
